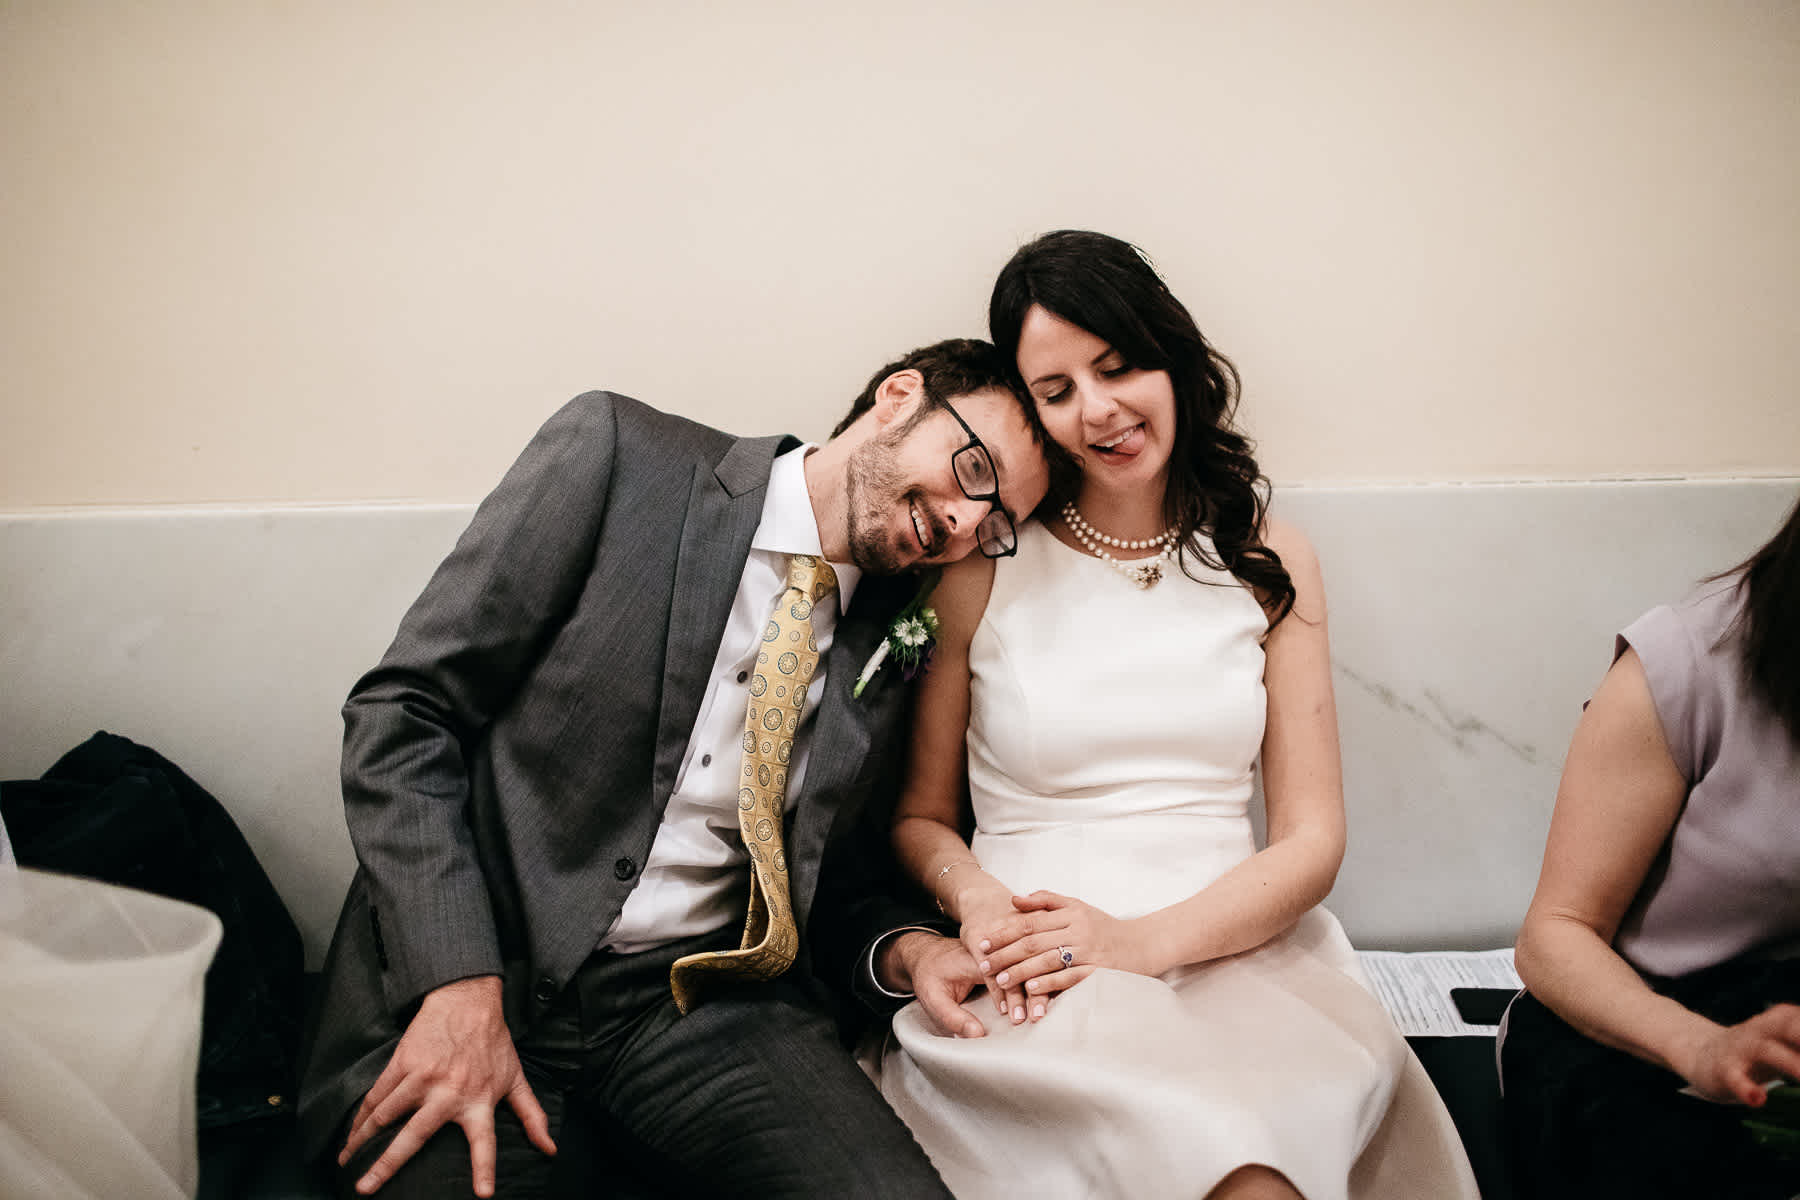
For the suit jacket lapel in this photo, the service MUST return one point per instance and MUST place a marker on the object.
(842, 728)
(724, 508)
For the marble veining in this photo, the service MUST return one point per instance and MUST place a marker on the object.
(1458, 729)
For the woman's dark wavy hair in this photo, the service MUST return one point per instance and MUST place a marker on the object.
(1768, 625)
(1107, 287)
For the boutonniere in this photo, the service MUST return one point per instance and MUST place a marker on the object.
(909, 639)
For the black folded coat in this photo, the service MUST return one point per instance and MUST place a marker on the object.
(121, 813)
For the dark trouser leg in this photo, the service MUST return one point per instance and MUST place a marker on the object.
(594, 1158)
(1587, 1121)
(751, 1094)
(441, 1167)
(551, 1058)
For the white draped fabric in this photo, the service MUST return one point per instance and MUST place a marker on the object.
(100, 994)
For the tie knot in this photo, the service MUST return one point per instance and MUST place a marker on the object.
(812, 575)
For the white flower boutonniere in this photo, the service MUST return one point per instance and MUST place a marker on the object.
(909, 639)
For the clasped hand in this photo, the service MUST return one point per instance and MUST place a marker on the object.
(1020, 950)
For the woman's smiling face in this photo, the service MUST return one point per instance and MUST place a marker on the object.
(1116, 418)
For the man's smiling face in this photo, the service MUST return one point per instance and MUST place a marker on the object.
(906, 508)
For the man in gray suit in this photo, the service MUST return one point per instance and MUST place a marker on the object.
(542, 829)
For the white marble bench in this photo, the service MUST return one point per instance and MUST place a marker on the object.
(1469, 622)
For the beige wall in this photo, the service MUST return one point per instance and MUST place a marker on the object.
(328, 251)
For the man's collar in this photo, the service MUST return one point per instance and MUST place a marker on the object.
(788, 524)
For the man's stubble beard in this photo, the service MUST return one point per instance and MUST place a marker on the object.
(872, 484)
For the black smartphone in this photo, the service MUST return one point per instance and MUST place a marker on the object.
(1481, 1005)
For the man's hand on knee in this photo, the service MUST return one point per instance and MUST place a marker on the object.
(454, 1064)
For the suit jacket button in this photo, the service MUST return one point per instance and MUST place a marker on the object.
(624, 869)
(546, 990)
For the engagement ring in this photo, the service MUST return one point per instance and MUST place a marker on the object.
(1067, 955)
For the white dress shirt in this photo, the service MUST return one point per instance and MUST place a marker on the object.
(697, 877)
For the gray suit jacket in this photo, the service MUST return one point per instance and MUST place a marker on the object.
(507, 763)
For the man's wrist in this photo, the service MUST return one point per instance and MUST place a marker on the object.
(890, 964)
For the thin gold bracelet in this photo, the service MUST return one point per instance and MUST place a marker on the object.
(961, 862)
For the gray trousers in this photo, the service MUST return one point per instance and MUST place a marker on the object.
(749, 1095)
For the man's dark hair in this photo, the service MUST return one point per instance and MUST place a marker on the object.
(960, 367)
(957, 367)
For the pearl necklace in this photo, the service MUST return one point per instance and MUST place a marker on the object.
(1145, 574)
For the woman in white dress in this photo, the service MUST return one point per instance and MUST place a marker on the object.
(1169, 1012)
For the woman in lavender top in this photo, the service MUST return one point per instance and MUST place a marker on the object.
(1662, 950)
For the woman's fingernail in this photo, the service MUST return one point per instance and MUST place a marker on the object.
(984, 966)
(1030, 984)
(1038, 1011)
(986, 945)
(1018, 1014)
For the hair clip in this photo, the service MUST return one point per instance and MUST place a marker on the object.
(1149, 262)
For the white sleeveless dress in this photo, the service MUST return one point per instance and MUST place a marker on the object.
(1112, 739)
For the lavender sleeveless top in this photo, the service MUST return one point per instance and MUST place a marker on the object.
(1726, 885)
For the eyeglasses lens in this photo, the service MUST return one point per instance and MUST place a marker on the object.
(995, 535)
(975, 471)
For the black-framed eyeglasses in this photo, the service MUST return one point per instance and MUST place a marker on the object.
(995, 537)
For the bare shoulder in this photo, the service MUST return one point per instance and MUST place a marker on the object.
(1295, 550)
(961, 596)
(1288, 541)
(1622, 709)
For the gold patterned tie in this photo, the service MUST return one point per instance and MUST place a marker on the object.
(784, 668)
